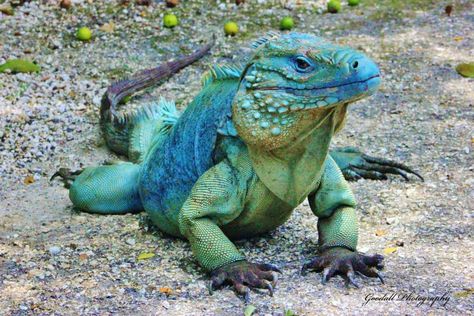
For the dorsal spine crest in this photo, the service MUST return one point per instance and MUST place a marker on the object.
(224, 72)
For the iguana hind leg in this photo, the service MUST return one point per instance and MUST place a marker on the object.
(111, 189)
(356, 165)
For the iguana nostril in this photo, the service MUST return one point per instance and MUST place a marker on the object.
(355, 64)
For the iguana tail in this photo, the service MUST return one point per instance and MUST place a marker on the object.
(117, 127)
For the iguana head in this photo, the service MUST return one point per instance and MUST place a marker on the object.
(290, 84)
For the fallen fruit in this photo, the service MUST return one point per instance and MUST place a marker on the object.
(334, 6)
(84, 34)
(231, 28)
(172, 3)
(353, 3)
(286, 23)
(65, 4)
(170, 20)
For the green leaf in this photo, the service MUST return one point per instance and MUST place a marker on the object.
(289, 312)
(19, 65)
(463, 294)
(145, 255)
(466, 70)
(6, 8)
(249, 310)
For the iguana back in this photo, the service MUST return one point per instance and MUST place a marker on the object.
(172, 167)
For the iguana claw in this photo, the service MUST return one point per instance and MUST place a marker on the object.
(356, 165)
(344, 262)
(66, 175)
(243, 276)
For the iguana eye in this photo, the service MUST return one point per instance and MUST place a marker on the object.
(303, 64)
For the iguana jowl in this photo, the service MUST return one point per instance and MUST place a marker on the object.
(252, 145)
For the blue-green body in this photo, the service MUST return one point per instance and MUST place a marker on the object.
(252, 145)
(173, 166)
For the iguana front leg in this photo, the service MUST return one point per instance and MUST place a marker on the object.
(216, 199)
(356, 165)
(334, 205)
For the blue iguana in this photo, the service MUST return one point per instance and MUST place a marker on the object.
(251, 147)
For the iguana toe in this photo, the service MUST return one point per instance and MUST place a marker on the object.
(344, 262)
(356, 165)
(243, 276)
(67, 176)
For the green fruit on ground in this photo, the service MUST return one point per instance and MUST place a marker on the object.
(334, 6)
(231, 28)
(287, 23)
(84, 34)
(19, 65)
(170, 20)
(353, 3)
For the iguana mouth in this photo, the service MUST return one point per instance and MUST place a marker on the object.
(316, 88)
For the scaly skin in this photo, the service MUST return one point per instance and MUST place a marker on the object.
(251, 146)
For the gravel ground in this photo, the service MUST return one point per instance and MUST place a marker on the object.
(54, 260)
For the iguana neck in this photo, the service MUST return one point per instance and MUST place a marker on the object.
(291, 173)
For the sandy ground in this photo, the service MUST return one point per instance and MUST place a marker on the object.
(54, 260)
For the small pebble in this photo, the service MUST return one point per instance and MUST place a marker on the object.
(54, 250)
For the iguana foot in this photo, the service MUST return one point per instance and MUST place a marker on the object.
(67, 176)
(344, 262)
(243, 276)
(356, 165)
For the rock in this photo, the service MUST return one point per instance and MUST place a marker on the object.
(391, 220)
(54, 250)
